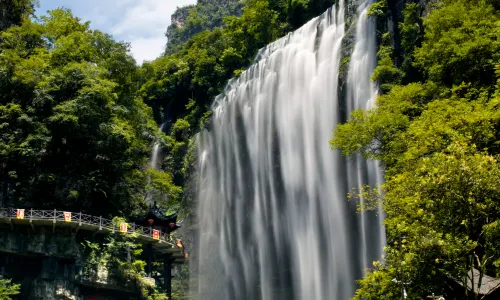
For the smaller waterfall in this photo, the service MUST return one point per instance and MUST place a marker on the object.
(361, 94)
(155, 154)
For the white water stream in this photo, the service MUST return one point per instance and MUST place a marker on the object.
(155, 153)
(273, 215)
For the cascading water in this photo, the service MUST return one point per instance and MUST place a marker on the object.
(155, 153)
(361, 94)
(273, 217)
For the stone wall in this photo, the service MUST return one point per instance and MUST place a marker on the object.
(48, 265)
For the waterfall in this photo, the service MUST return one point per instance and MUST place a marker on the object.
(361, 94)
(155, 153)
(273, 215)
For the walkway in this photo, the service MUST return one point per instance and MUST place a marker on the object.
(160, 240)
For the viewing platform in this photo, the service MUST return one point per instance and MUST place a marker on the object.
(50, 242)
(78, 221)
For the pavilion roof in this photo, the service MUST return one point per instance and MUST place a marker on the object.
(159, 217)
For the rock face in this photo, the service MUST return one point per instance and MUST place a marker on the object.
(180, 16)
(48, 265)
(190, 20)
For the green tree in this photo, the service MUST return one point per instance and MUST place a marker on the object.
(8, 289)
(411, 31)
(75, 134)
(13, 12)
(438, 141)
(193, 19)
(120, 256)
(461, 43)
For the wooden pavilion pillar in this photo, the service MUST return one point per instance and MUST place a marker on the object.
(167, 275)
(149, 263)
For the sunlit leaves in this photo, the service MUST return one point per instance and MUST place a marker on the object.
(73, 128)
(439, 142)
(461, 43)
(8, 289)
(161, 186)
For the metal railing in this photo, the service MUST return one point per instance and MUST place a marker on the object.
(80, 218)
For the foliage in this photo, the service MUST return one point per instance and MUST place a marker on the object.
(74, 133)
(158, 296)
(438, 140)
(8, 289)
(161, 188)
(461, 43)
(378, 9)
(193, 19)
(13, 12)
(386, 73)
(398, 44)
(208, 15)
(120, 256)
(411, 31)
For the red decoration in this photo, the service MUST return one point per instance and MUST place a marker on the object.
(67, 216)
(123, 227)
(156, 234)
(171, 225)
(150, 221)
(20, 214)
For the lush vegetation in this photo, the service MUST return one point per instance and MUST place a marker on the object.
(75, 135)
(13, 12)
(77, 115)
(8, 289)
(190, 20)
(78, 119)
(436, 131)
(119, 257)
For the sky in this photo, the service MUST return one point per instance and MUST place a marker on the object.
(142, 23)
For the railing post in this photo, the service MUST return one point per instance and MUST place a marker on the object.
(54, 222)
(80, 221)
(100, 222)
(31, 219)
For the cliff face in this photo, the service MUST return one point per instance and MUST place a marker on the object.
(48, 264)
(189, 20)
(180, 16)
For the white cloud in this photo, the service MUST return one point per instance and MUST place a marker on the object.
(147, 48)
(144, 24)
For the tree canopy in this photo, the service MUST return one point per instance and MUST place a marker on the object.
(437, 136)
(75, 135)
